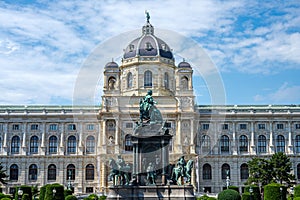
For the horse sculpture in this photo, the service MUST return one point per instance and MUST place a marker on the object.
(179, 172)
(119, 174)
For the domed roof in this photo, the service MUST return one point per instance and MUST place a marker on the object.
(148, 45)
(111, 64)
(184, 64)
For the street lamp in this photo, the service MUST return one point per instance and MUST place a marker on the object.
(251, 191)
(20, 193)
(292, 192)
(281, 195)
(54, 192)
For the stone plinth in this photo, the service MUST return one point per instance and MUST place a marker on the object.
(170, 192)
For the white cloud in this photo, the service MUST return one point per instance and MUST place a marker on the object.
(288, 94)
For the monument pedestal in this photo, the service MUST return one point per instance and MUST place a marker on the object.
(156, 192)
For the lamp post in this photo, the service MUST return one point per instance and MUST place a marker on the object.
(54, 192)
(292, 192)
(20, 193)
(281, 195)
(251, 191)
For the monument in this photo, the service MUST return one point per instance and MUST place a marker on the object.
(151, 175)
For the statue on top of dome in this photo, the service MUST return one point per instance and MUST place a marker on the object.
(147, 16)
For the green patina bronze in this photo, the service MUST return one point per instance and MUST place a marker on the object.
(148, 111)
(119, 171)
(182, 170)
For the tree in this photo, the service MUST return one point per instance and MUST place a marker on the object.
(281, 168)
(277, 169)
(3, 176)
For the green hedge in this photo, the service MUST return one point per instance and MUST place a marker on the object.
(5, 198)
(256, 192)
(43, 192)
(2, 196)
(25, 197)
(26, 190)
(71, 197)
(297, 191)
(67, 192)
(272, 192)
(59, 195)
(236, 188)
(229, 195)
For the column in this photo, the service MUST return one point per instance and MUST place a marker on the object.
(193, 178)
(234, 150)
(24, 130)
(290, 142)
(117, 149)
(178, 136)
(5, 150)
(103, 174)
(61, 145)
(271, 138)
(80, 146)
(192, 145)
(252, 145)
(103, 150)
(43, 147)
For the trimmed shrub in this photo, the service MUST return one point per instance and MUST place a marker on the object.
(71, 197)
(256, 192)
(67, 193)
(59, 195)
(272, 191)
(229, 195)
(93, 197)
(42, 192)
(2, 196)
(211, 198)
(25, 197)
(234, 188)
(102, 197)
(26, 190)
(297, 198)
(297, 191)
(6, 198)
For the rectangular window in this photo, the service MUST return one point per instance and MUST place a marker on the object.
(261, 126)
(89, 189)
(243, 126)
(129, 125)
(34, 127)
(280, 126)
(16, 127)
(53, 127)
(297, 126)
(72, 127)
(1, 127)
(224, 126)
(205, 126)
(90, 127)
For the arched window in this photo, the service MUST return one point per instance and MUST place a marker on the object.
(15, 145)
(206, 172)
(148, 79)
(128, 143)
(297, 144)
(129, 80)
(262, 144)
(90, 144)
(298, 171)
(71, 172)
(166, 80)
(244, 171)
(34, 144)
(71, 144)
(225, 171)
(280, 143)
(205, 143)
(224, 144)
(32, 175)
(243, 143)
(53, 144)
(89, 172)
(184, 83)
(111, 83)
(14, 172)
(52, 172)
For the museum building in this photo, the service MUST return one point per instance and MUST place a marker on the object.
(72, 144)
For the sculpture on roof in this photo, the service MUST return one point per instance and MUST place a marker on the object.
(147, 16)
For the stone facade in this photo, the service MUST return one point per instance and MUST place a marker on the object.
(72, 144)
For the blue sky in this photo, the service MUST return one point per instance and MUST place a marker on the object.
(255, 45)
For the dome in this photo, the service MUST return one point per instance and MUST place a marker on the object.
(148, 45)
(184, 64)
(112, 64)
